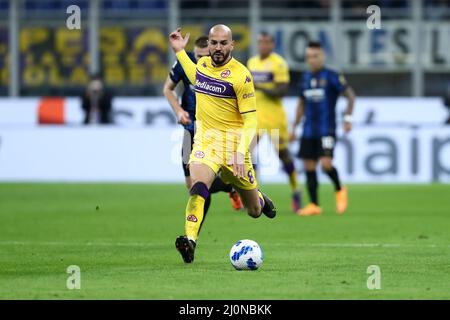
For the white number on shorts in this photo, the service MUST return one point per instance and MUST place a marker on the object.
(327, 142)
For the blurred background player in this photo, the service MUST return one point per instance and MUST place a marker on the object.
(271, 77)
(319, 91)
(226, 125)
(96, 102)
(446, 100)
(185, 113)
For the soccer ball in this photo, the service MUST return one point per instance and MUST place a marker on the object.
(246, 255)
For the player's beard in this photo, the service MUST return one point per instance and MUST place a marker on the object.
(220, 59)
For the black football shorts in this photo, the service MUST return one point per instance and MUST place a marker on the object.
(315, 148)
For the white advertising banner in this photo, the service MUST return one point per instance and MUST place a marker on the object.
(367, 155)
(156, 112)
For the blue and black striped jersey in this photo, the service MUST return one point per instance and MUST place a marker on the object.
(320, 92)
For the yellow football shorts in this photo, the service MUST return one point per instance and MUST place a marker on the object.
(217, 160)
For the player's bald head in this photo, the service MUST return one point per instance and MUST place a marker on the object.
(220, 44)
(221, 30)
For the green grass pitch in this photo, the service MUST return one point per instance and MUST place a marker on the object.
(122, 238)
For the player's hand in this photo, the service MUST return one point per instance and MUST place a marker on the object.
(237, 161)
(347, 127)
(177, 42)
(183, 118)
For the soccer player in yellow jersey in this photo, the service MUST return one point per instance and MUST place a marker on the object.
(271, 76)
(226, 125)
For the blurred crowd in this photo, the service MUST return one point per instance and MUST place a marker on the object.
(198, 4)
(433, 9)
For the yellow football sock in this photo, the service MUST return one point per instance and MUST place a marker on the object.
(194, 216)
(293, 181)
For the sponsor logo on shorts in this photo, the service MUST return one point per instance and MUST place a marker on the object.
(225, 73)
(192, 218)
(199, 154)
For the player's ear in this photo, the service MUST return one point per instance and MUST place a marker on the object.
(232, 44)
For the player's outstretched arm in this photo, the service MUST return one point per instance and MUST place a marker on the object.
(279, 91)
(349, 93)
(169, 93)
(248, 133)
(246, 101)
(178, 44)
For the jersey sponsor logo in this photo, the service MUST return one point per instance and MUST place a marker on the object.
(314, 94)
(214, 87)
(204, 64)
(199, 154)
(248, 95)
(192, 218)
(247, 79)
(262, 77)
(225, 73)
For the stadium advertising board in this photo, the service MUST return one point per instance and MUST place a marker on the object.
(391, 48)
(137, 56)
(385, 145)
(156, 112)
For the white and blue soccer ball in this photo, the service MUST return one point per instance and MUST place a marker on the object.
(246, 255)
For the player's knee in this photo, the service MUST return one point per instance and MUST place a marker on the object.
(254, 211)
(309, 165)
(326, 165)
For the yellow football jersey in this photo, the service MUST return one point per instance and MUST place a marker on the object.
(223, 94)
(266, 73)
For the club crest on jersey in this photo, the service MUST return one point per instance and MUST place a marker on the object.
(225, 73)
(192, 218)
(204, 64)
(322, 82)
(199, 154)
